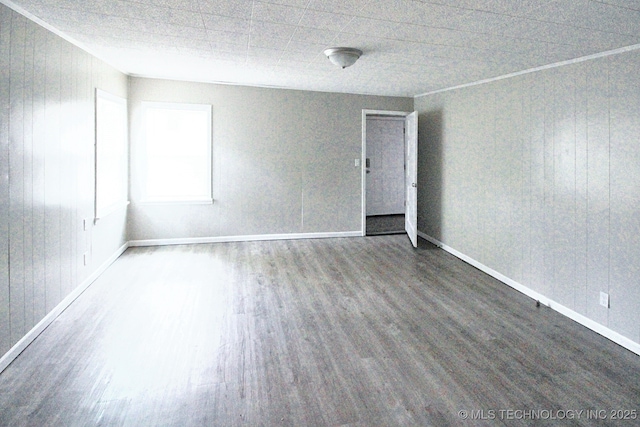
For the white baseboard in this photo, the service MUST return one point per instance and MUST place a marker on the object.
(15, 351)
(248, 238)
(28, 338)
(430, 239)
(24, 342)
(585, 321)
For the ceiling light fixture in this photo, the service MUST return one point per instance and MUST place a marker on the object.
(343, 57)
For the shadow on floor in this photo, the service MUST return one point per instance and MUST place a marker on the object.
(385, 224)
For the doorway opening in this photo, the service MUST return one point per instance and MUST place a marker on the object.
(384, 168)
(389, 146)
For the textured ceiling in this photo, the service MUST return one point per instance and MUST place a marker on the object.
(410, 47)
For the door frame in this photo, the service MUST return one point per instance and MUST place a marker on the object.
(363, 159)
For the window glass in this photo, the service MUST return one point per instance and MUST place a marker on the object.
(111, 153)
(177, 152)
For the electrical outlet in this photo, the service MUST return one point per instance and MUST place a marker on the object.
(604, 299)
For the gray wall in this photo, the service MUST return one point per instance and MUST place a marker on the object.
(537, 177)
(271, 149)
(46, 172)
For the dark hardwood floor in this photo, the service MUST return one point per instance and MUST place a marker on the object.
(329, 332)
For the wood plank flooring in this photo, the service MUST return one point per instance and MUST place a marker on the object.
(328, 332)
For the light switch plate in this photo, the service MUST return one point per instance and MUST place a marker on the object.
(604, 299)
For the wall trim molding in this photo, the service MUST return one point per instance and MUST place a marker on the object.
(536, 69)
(24, 342)
(575, 316)
(30, 16)
(30, 336)
(242, 238)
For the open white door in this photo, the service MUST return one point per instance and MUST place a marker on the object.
(411, 177)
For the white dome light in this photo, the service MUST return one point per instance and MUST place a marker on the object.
(343, 57)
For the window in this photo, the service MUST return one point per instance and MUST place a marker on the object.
(111, 173)
(177, 152)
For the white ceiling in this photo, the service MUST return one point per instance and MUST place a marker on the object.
(410, 47)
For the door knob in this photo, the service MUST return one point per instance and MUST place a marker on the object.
(414, 185)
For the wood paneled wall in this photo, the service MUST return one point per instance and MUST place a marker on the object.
(538, 178)
(47, 88)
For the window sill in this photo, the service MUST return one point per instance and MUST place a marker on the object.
(177, 202)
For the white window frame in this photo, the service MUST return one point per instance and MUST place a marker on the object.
(201, 199)
(115, 141)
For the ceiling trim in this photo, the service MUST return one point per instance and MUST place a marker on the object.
(55, 31)
(262, 86)
(20, 10)
(80, 45)
(536, 69)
